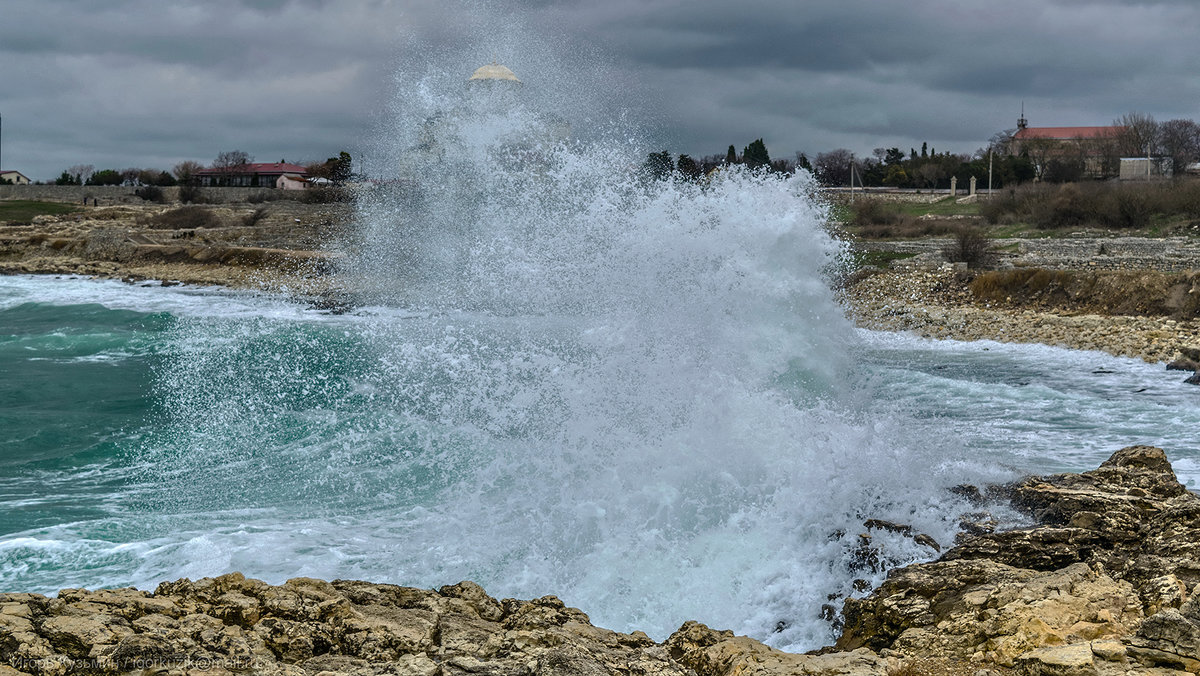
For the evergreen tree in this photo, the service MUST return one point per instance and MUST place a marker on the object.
(731, 155)
(755, 155)
(106, 177)
(924, 149)
(339, 167)
(688, 167)
(658, 165)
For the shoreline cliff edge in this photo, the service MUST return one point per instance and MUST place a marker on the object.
(1106, 581)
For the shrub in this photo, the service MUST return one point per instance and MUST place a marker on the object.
(252, 219)
(324, 195)
(971, 247)
(1001, 207)
(1130, 209)
(150, 193)
(267, 196)
(1095, 204)
(1063, 171)
(875, 212)
(184, 218)
(1065, 208)
(191, 194)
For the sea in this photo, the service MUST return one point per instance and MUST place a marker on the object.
(555, 374)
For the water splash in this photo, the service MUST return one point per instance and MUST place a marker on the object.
(636, 394)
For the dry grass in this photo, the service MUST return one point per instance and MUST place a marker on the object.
(1132, 205)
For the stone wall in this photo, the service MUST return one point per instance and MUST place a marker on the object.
(1165, 254)
(843, 195)
(113, 194)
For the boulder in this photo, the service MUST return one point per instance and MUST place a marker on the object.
(1108, 563)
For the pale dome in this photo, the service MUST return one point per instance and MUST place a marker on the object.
(494, 71)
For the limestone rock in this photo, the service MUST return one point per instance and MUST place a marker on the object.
(722, 654)
(1105, 582)
(1107, 565)
(1068, 660)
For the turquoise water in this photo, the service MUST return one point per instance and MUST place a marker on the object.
(152, 433)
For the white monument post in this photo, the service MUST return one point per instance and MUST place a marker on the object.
(953, 185)
(972, 186)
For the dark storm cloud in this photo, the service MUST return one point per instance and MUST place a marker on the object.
(143, 83)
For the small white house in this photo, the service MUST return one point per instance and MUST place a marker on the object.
(291, 182)
(15, 177)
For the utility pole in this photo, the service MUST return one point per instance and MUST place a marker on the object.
(989, 174)
(851, 178)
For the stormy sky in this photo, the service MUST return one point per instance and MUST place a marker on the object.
(147, 83)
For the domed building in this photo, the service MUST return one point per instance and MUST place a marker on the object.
(494, 100)
(494, 73)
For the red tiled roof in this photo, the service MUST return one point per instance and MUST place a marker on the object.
(258, 168)
(1066, 133)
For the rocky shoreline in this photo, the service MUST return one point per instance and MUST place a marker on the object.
(1106, 581)
(936, 303)
(273, 246)
(283, 246)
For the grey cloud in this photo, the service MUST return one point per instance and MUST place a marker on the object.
(137, 82)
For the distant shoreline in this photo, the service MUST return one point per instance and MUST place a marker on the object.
(280, 245)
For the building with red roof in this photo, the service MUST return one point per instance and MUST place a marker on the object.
(249, 175)
(13, 176)
(1091, 151)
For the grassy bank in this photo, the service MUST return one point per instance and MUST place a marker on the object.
(1151, 209)
(24, 211)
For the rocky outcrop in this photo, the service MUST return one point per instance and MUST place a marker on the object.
(1188, 360)
(231, 624)
(1107, 581)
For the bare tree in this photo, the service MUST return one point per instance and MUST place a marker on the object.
(81, 172)
(150, 176)
(1039, 151)
(1138, 135)
(833, 168)
(185, 170)
(929, 173)
(1001, 142)
(231, 158)
(1180, 140)
(228, 163)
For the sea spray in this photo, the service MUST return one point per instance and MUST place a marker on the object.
(566, 377)
(356, 478)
